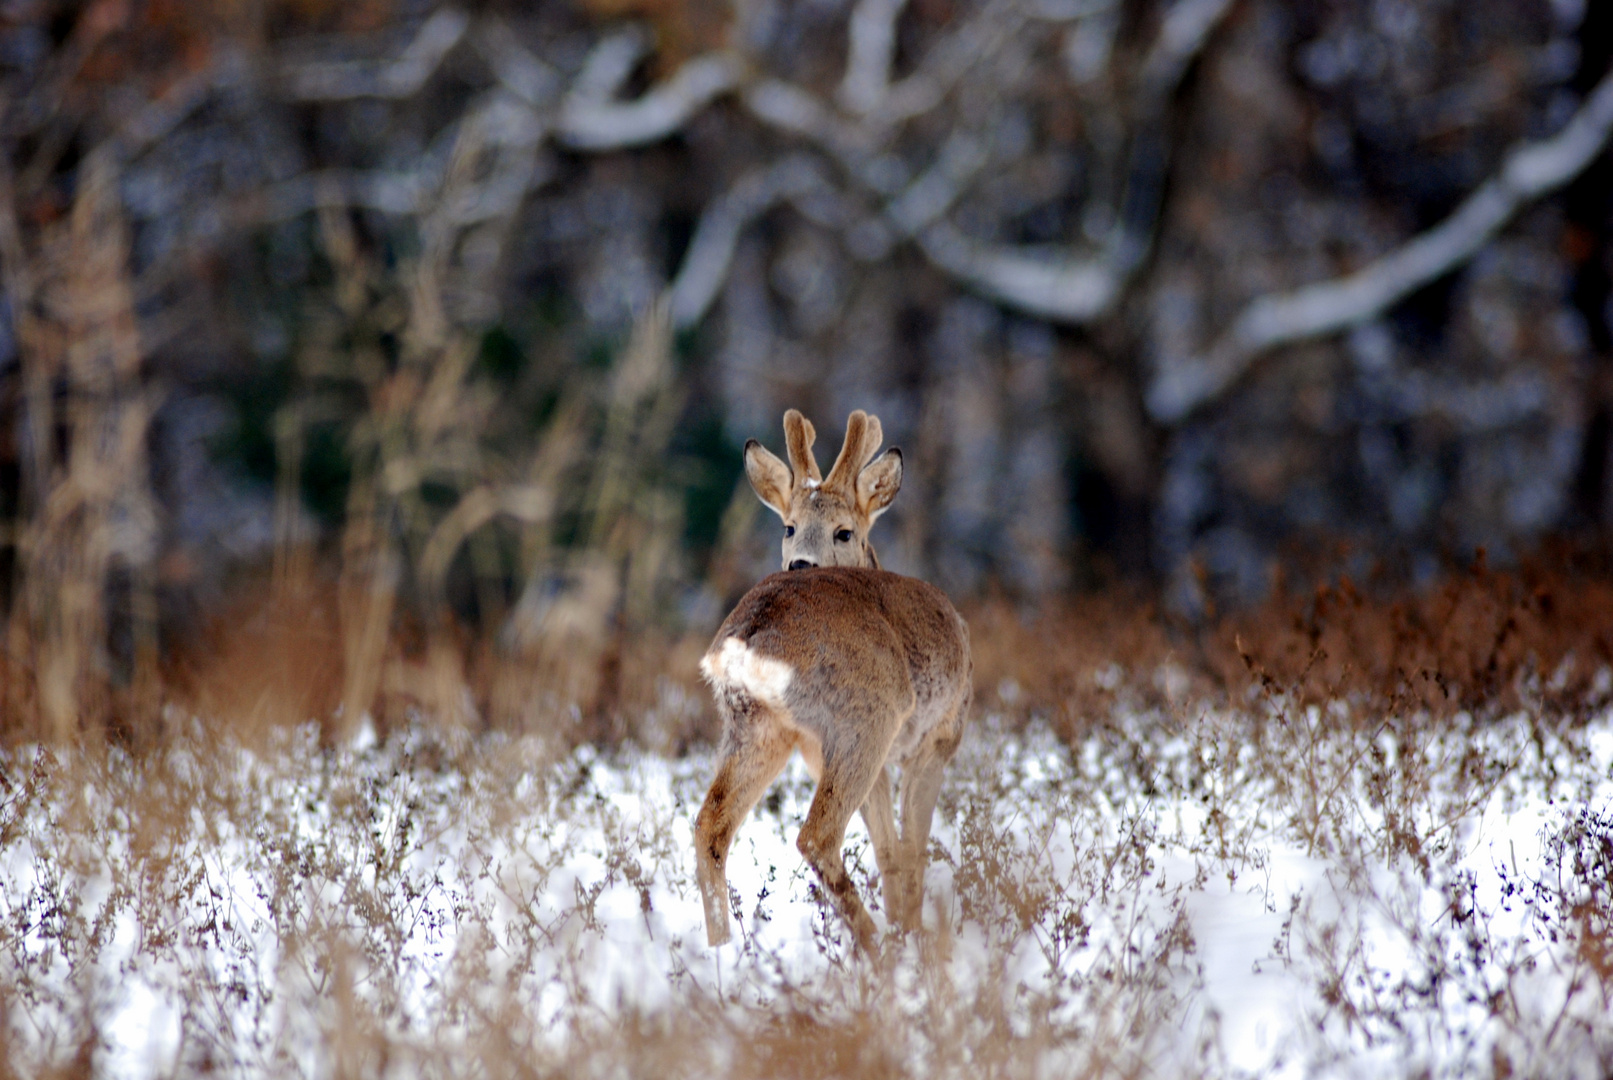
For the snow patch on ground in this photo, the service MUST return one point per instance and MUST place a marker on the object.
(573, 884)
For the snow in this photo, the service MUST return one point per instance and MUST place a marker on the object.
(591, 857)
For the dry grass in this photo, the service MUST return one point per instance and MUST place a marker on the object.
(442, 902)
(1484, 641)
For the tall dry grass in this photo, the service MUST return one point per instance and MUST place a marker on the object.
(82, 629)
(436, 903)
(568, 541)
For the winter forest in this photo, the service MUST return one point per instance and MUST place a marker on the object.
(374, 378)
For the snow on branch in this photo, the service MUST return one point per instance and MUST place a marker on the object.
(711, 251)
(1065, 288)
(591, 118)
(870, 49)
(517, 70)
(929, 197)
(1529, 172)
(1187, 26)
(398, 78)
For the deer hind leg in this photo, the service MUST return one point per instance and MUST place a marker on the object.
(879, 814)
(921, 787)
(755, 750)
(847, 784)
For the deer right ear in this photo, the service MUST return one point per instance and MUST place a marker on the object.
(769, 477)
(879, 482)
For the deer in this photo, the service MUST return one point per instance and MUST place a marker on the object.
(857, 668)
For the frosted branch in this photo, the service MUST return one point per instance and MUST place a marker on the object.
(1529, 172)
(927, 199)
(711, 251)
(591, 118)
(1062, 289)
(1187, 26)
(399, 78)
(517, 70)
(870, 50)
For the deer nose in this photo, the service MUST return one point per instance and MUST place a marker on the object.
(801, 564)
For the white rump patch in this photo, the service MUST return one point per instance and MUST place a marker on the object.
(737, 664)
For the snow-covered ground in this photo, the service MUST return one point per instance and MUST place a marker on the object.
(1219, 894)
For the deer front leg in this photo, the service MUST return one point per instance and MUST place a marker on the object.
(752, 758)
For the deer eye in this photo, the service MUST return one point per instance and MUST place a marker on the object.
(789, 530)
(843, 536)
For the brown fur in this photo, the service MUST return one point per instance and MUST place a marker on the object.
(855, 667)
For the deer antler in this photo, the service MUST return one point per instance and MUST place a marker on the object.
(799, 434)
(863, 436)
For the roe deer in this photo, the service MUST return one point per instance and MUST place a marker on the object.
(856, 667)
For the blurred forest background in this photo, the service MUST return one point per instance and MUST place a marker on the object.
(428, 336)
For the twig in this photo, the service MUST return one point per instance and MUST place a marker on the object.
(517, 70)
(591, 120)
(1529, 172)
(399, 78)
(1080, 290)
(388, 192)
(1062, 289)
(945, 65)
(797, 112)
(711, 252)
(870, 49)
(1187, 26)
(501, 123)
(927, 199)
(173, 107)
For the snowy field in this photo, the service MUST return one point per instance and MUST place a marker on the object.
(1280, 891)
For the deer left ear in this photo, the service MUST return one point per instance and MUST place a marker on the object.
(879, 482)
(769, 477)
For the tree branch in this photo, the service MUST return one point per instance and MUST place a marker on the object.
(517, 70)
(399, 78)
(1187, 26)
(927, 199)
(1061, 289)
(591, 120)
(1529, 172)
(711, 251)
(1081, 290)
(870, 49)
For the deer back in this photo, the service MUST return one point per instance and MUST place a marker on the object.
(830, 642)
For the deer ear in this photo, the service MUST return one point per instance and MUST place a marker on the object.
(769, 477)
(878, 483)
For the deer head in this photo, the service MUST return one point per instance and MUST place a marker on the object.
(826, 519)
